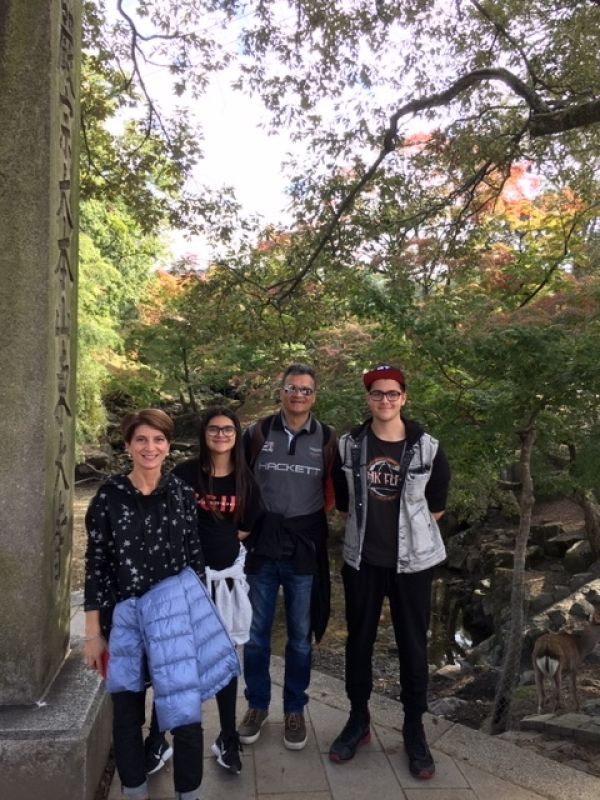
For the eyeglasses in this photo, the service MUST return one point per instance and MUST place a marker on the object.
(227, 430)
(392, 396)
(305, 391)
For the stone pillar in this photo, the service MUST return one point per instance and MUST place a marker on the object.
(54, 723)
(39, 100)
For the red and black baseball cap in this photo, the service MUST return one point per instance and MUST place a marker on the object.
(384, 372)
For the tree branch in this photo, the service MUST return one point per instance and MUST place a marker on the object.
(152, 37)
(517, 86)
(510, 39)
(548, 122)
(542, 121)
(557, 262)
(134, 49)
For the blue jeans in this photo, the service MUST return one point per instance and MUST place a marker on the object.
(257, 651)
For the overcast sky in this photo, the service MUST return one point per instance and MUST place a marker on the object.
(237, 152)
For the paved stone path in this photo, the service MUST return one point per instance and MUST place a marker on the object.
(470, 765)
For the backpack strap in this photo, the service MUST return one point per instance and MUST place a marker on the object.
(329, 454)
(259, 433)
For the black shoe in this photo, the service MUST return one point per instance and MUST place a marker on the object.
(356, 731)
(227, 750)
(157, 755)
(420, 760)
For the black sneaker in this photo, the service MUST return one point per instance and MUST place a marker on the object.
(356, 731)
(227, 750)
(157, 755)
(420, 760)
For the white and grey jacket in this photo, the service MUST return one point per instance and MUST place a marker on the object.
(424, 491)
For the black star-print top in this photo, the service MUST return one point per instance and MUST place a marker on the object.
(136, 540)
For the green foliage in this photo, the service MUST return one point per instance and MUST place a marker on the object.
(115, 262)
(132, 385)
(442, 261)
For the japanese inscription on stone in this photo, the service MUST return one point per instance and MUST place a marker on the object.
(63, 412)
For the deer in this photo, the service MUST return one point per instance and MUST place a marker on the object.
(558, 654)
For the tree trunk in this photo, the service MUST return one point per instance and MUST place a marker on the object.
(512, 656)
(188, 382)
(591, 510)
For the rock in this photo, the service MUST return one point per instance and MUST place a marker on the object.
(529, 636)
(527, 678)
(541, 602)
(539, 534)
(593, 596)
(577, 763)
(534, 555)
(591, 707)
(578, 557)
(581, 609)
(472, 561)
(449, 671)
(445, 706)
(457, 550)
(183, 447)
(84, 472)
(560, 592)
(99, 459)
(557, 546)
(495, 557)
(556, 619)
(449, 525)
(583, 578)
(476, 621)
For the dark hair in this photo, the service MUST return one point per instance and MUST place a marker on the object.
(153, 417)
(299, 369)
(240, 468)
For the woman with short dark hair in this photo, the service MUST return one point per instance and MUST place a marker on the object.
(142, 537)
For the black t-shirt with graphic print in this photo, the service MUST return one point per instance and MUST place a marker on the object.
(218, 531)
(384, 485)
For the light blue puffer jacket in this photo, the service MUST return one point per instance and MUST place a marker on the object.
(189, 652)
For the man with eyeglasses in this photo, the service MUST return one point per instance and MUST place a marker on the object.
(291, 454)
(393, 483)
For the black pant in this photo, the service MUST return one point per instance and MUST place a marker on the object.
(226, 702)
(409, 596)
(128, 718)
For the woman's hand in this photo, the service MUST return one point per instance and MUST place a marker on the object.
(94, 644)
(93, 648)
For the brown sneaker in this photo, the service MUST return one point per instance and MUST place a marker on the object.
(249, 727)
(294, 734)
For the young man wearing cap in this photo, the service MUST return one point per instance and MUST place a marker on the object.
(393, 483)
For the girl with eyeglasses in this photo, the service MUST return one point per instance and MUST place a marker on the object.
(228, 502)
